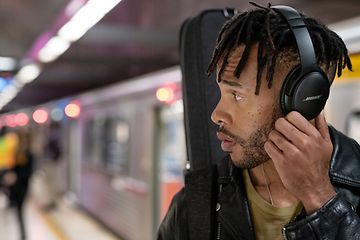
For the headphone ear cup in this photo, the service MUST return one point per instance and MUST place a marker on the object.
(287, 88)
(305, 92)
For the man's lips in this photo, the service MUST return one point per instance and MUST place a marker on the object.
(227, 143)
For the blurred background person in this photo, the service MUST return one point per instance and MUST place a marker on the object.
(17, 164)
(8, 145)
(52, 153)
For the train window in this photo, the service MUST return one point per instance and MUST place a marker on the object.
(92, 143)
(106, 144)
(353, 125)
(115, 148)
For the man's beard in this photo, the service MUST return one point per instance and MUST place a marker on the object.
(253, 150)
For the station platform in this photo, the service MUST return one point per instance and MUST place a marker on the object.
(65, 222)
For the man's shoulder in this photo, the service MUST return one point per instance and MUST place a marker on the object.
(345, 165)
(174, 221)
(178, 199)
(345, 161)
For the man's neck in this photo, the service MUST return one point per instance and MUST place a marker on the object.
(268, 184)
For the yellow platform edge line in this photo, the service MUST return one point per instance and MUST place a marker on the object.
(54, 228)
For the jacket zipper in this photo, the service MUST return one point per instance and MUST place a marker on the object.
(283, 230)
(218, 237)
(284, 234)
(218, 206)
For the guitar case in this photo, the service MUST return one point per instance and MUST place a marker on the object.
(200, 92)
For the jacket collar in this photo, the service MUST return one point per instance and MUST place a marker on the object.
(228, 172)
(345, 160)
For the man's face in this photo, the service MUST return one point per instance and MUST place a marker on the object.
(246, 119)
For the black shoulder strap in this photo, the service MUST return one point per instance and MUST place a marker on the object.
(200, 198)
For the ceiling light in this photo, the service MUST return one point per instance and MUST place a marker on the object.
(28, 73)
(7, 64)
(73, 7)
(92, 12)
(9, 93)
(53, 49)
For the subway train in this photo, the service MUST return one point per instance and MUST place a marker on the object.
(124, 153)
(123, 146)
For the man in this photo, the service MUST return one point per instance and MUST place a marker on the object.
(286, 177)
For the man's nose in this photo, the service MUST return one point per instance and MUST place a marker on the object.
(220, 115)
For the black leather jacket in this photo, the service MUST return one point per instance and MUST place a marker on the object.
(213, 204)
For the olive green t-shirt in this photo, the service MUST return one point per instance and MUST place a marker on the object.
(267, 219)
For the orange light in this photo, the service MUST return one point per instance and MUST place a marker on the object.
(21, 119)
(72, 110)
(165, 94)
(40, 116)
(10, 120)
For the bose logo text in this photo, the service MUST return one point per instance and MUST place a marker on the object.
(312, 98)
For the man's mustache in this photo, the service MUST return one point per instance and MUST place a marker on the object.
(235, 137)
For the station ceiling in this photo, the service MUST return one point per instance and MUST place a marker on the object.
(136, 37)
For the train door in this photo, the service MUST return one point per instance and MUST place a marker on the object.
(171, 157)
(74, 149)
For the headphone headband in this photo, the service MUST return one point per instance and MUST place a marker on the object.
(301, 34)
(306, 87)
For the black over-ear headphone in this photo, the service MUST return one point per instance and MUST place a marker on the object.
(306, 87)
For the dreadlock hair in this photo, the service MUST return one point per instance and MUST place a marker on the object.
(274, 37)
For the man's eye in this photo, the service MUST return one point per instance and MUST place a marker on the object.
(237, 97)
